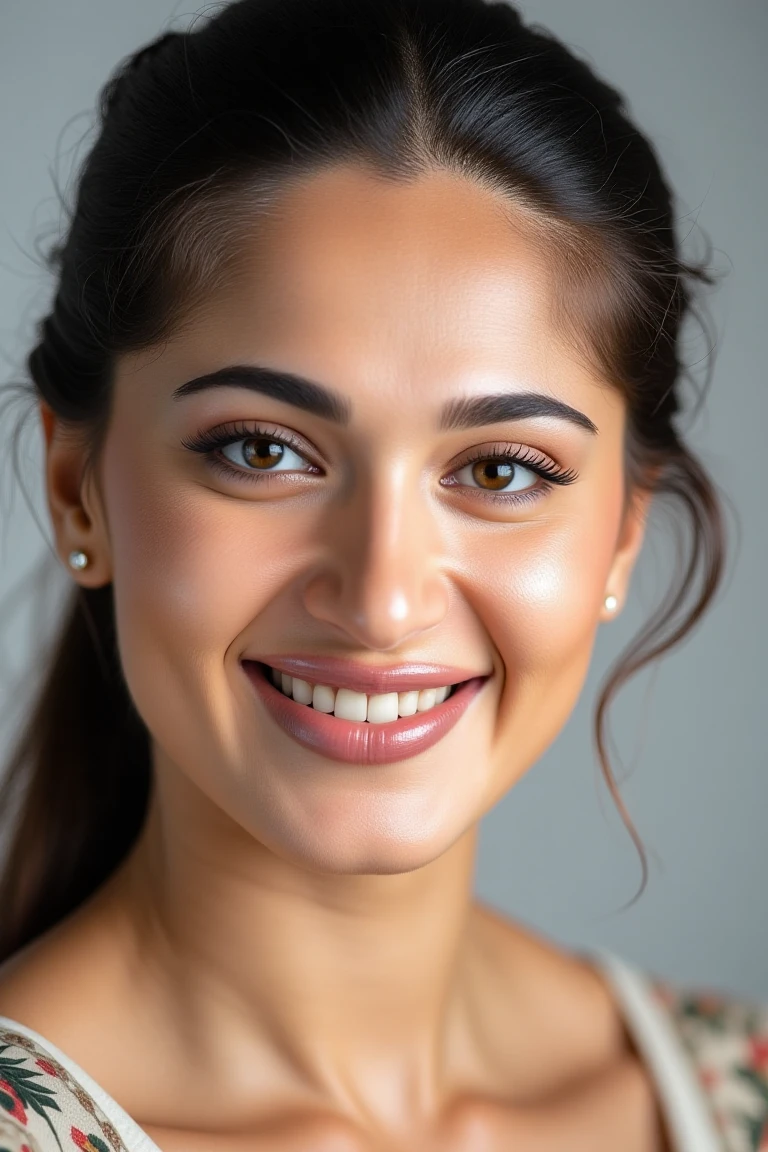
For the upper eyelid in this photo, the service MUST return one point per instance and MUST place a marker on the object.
(226, 437)
(549, 472)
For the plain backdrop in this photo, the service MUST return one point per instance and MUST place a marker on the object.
(690, 736)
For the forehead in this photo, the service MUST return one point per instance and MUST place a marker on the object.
(422, 288)
(436, 262)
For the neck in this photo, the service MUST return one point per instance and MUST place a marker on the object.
(340, 971)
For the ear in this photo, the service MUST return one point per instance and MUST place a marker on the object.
(74, 502)
(628, 548)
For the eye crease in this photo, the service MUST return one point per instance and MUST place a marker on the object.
(504, 460)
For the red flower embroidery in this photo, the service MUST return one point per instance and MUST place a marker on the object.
(7, 1089)
(88, 1143)
(758, 1052)
(47, 1067)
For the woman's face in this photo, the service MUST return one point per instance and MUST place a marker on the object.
(388, 538)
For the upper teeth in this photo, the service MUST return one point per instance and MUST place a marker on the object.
(349, 705)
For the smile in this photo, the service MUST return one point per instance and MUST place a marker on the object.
(356, 728)
(347, 704)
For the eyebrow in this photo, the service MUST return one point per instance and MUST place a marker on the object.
(462, 412)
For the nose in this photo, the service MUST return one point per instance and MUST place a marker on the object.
(382, 582)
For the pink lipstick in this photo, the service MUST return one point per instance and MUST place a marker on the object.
(354, 742)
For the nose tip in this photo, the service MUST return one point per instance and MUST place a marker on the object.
(379, 619)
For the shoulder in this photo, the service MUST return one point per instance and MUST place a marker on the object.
(726, 1038)
(43, 1105)
(57, 1018)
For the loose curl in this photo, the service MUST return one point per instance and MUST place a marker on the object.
(200, 132)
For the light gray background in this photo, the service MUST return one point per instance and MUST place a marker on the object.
(693, 733)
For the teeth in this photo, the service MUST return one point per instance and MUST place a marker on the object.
(408, 703)
(349, 705)
(384, 708)
(426, 700)
(302, 691)
(323, 698)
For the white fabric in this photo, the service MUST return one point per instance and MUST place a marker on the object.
(133, 1137)
(685, 1105)
(682, 1098)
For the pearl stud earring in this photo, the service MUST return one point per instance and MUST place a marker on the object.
(611, 603)
(78, 560)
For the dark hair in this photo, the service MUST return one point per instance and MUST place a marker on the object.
(200, 131)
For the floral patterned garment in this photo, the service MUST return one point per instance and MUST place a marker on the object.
(45, 1107)
(727, 1041)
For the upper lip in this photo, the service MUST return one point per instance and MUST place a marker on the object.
(338, 672)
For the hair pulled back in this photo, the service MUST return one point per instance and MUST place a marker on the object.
(199, 132)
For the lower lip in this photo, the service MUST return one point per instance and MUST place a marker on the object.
(362, 743)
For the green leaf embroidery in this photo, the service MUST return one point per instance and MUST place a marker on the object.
(36, 1097)
(98, 1144)
(754, 1130)
(755, 1079)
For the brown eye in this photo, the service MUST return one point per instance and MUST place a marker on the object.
(495, 474)
(262, 453)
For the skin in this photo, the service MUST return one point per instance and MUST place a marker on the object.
(293, 944)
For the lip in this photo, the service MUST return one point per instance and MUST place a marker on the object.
(361, 742)
(338, 672)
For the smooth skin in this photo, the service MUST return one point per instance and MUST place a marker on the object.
(291, 957)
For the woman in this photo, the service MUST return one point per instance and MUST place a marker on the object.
(359, 380)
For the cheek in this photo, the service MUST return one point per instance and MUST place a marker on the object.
(555, 588)
(191, 571)
(189, 562)
(541, 603)
(560, 568)
(542, 594)
(170, 553)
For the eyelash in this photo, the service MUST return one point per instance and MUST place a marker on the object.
(210, 442)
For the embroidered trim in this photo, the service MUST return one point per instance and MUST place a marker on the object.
(39, 1099)
(727, 1040)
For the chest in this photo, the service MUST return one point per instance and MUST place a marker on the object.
(617, 1110)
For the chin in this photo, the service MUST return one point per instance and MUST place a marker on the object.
(383, 860)
(358, 846)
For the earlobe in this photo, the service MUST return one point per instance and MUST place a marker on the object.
(77, 532)
(625, 557)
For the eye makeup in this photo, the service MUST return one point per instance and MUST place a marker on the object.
(504, 460)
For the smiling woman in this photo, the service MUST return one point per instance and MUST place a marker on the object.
(359, 380)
